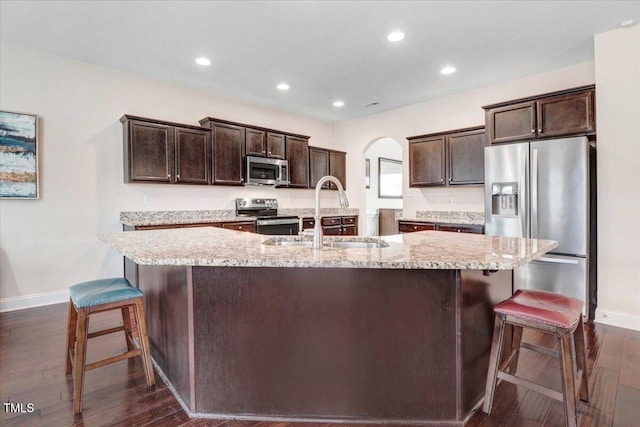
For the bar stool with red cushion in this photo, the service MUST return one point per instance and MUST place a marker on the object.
(98, 296)
(552, 314)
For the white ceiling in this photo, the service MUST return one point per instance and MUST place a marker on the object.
(325, 50)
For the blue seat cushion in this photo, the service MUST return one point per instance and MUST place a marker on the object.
(102, 291)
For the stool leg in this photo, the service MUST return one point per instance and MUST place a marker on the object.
(126, 321)
(515, 349)
(494, 363)
(71, 335)
(141, 326)
(581, 361)
(568, 379)
(82, 327)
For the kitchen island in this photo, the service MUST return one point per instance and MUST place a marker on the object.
(393, 334)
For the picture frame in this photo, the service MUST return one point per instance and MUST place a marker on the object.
(367, 173)
(19, 171)
(389, 178)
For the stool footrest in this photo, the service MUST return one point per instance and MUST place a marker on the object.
(105, 332)
(113, 359)
(531, 385)
(540, 349)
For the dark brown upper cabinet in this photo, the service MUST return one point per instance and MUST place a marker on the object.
(427, 165)
(569, 112)
(298, 158)
(324, 162)
(276, 145)
(466, 157)
(228, 144)
(192, 156)
(164, 152)
(447, 158)
(264, 144)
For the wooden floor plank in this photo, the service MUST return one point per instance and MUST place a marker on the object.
(32, 364)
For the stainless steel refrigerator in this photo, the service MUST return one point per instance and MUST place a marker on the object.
(546, 190)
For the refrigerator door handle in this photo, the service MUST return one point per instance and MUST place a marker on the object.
(557, 260)
(534, 194)
(523, 213)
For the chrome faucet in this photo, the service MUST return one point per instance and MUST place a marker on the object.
(344, 203)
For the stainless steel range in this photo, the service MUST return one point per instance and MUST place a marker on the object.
(265, 211)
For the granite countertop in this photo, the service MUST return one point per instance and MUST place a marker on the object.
(422, 250)
(141, 218)
(447, 217)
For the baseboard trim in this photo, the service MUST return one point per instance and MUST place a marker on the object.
(34, 300)
(616, 318)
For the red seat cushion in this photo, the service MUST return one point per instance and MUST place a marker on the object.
(544, 307)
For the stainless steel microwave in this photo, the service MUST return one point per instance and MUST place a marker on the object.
(266, 171)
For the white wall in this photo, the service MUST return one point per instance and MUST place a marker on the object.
(50, 243)
(389, 149)
(448, 113)
(617, 56)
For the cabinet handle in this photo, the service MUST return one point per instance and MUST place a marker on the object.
(539, 130)
(415, 227)
(239, 227)
(269, 154)
(264, 152)
(533, 131)
(168, 175)
(178, 176)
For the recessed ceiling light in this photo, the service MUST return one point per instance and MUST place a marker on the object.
(283, 86)
(448, 70)
(338, 103)
(627, 23)
(395, 36)
(203, 61)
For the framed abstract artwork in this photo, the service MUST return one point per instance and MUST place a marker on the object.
(19, 176)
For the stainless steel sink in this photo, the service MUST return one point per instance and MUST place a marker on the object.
(345, 243)
(273, 242)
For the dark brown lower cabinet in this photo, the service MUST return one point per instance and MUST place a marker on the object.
(249, 226)
(360, 349)
(413, 226)
(334, 225)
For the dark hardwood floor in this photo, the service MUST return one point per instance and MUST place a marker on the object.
(32, 365)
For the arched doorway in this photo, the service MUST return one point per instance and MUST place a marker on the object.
(383, 181)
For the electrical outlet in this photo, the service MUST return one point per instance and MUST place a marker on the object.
(454, 201)
(147, 200)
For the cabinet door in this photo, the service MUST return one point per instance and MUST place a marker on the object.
(410, 227)
(228, 151)
(308, 223)
(192, 156)
(275, 146)
(349, 230)
(318, 166)
(566, 114)
(461, 228)
(427, 161)
(466, 157)
(332, 231)
(255, 142)
(248, 226)
(298, 158)
(150, 152)
(514, 122)
(338, 168)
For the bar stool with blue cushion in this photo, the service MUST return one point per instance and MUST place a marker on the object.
(549, 313)
(98, 296)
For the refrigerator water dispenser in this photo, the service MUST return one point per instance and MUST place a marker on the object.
(504, 197)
